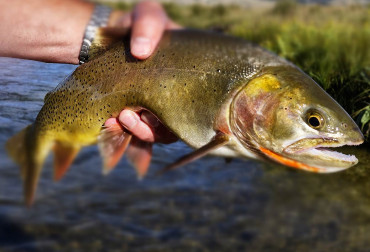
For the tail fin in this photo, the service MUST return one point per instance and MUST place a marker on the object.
(29, 150)
(17, 148)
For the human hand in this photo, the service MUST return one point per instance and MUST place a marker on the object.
(148, 20)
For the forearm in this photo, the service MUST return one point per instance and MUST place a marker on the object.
(44, 30)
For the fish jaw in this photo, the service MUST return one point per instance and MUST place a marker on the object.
(316, 154)
(314, 151)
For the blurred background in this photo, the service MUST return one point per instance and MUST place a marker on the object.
(209, 205)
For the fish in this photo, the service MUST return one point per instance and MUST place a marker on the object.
(220, 94)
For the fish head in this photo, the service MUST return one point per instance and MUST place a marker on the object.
(284, 115)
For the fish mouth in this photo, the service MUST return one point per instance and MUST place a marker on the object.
(317, 154)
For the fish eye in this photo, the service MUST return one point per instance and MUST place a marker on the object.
(315, 120)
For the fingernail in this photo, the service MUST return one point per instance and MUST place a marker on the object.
(141, 46)
(128, 121)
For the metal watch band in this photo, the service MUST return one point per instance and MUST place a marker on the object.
(99, 18)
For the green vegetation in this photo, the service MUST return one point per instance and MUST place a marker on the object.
(330, 43)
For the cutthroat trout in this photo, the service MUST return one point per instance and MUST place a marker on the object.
(219, 94)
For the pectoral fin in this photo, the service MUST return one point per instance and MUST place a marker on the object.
(63, 158)
(219, 140)
(112, 143)
(139, 154)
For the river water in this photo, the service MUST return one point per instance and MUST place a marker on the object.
(208, 205)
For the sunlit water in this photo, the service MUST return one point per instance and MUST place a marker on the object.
(208, 205)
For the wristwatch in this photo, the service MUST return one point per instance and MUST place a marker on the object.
(99, 18)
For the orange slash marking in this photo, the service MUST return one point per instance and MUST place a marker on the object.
(287, 161)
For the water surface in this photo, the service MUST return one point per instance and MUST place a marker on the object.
(209, 205)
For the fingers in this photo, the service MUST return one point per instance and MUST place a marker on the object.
(149, 20)
(145, 127)
(149, 119)
(132, 122)
(110, 122)
(161, 132)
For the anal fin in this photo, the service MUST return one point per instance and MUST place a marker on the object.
(63, 158)
(219, 140)
(112, 142)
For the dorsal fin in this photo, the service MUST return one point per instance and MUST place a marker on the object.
(105, 38)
